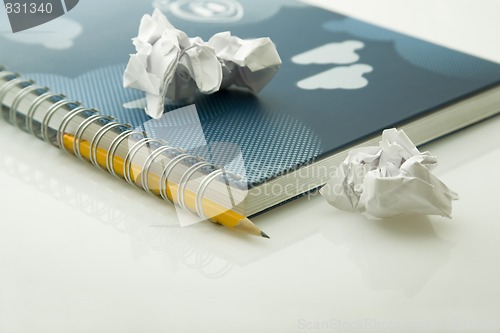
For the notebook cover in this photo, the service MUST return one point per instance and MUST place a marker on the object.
(362, 80)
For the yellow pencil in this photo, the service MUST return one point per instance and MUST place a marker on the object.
(221, 215)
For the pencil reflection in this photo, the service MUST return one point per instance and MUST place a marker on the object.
(150, 222)
(403, 253)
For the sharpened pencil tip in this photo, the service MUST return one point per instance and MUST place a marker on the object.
(263, 234)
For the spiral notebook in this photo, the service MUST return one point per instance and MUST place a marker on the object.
(341, 83)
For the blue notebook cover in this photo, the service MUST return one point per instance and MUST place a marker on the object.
(342, 80)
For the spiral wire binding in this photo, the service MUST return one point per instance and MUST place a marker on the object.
(9, 85)
(127, 164)
(201, 191)
(94, 144)
(110, 156)
(33, 107)
(48, 116)
(149, 162)
(17, 99)
(64, 124)
(79, 132)
(165, 175)
(181, 189)
(4, 73)
(75, 109)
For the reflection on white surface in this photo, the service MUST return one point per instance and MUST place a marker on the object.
(61, 259)
(402, 253)
(49, 172)
(61, 270)
(211, 250)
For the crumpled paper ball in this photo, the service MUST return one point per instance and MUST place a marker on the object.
(169, 64)
(392, 179)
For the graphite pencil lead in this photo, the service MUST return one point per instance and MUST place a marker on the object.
(263, 234)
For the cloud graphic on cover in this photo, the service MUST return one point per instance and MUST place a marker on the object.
(333, 53)
(417, 52)
(343, 77)
(57, 34)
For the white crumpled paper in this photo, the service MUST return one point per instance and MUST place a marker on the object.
(391, 179)
(169, 64)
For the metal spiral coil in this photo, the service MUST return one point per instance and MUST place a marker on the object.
(24, 88)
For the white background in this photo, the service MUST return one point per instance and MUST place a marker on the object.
(81, 251)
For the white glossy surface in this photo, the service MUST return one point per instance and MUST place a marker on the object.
(81, 251)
